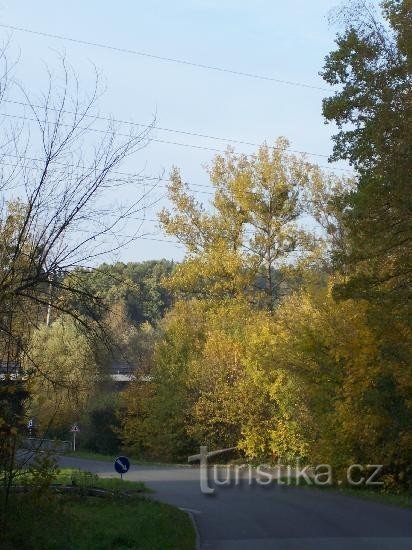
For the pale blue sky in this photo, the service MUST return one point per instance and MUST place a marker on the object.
(286, 40)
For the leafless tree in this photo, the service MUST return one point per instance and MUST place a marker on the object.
(58, 176)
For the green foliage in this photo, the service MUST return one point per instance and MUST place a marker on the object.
(41, 473)
(100, 426)
(127, 342)
(373, 110)
(138, 286)
(260, 354)
(212, 386)
(88, 522)
(310, 380)
(13, 395)
(154, 421)
(62, 373)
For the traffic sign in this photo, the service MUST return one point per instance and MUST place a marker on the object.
(122, 465)
(30, 426)
(74, 429)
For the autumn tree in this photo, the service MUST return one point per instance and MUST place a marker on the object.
(64, 376)
(251, 237)
(138, 285)
(372, 109)
(371, 67)
(157, 411)
(217, 382)
(53, 216)
(355, 393)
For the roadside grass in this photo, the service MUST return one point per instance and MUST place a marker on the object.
(40, 520)
(396, 499)
(89, 455)
(402, 499)
(141, 523)
(84, 523)
(80, 478)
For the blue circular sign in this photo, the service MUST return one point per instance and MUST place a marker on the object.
(122, 464)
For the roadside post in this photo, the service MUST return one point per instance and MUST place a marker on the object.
(30, 426)
(122, 465)
(74, 429)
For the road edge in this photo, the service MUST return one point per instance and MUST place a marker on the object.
(195, 527)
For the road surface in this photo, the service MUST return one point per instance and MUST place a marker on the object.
(253, 517)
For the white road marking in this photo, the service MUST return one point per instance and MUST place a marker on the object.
(189, 510)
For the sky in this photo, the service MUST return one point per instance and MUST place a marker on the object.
(282, 40)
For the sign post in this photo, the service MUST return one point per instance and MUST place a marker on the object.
(122, 465)
(74, 429)
(30, 426)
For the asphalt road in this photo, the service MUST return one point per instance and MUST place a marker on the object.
(253, 517)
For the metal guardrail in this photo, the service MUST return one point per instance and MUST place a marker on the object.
(37, 444)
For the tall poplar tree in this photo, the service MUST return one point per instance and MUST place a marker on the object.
(251, 238)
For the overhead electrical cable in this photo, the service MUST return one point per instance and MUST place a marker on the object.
(164, 58)
(154, 127)
(156, 140)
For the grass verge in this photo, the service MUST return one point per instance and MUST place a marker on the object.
(397, 499)
(90, 523)
(402, 499)
(44, 520)
(71, 476)
(89, 455)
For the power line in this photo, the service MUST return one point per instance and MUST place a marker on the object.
(98, 131)
(129, 174)
(167, 142)
(151, 220)
(163, 58)
(143, 237)
(171, 130)
(120, 173)
(247, 232)
(179, 245)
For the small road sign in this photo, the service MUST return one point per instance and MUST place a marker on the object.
(74, 429)
(30, 426)
(121, 465)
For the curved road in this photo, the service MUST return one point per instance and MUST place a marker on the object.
(254, 517)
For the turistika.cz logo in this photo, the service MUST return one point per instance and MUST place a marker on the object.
(213, 476)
